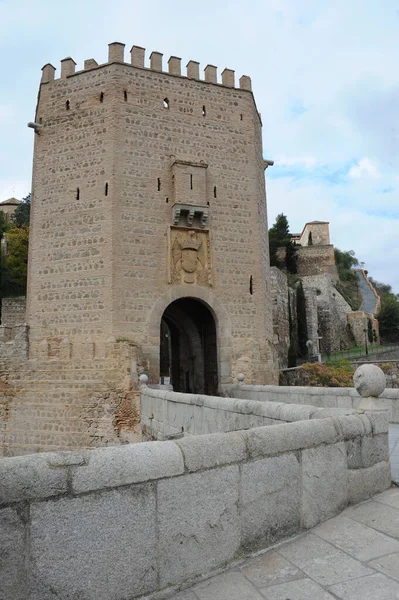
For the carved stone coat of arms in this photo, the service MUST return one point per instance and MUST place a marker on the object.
(189, 257)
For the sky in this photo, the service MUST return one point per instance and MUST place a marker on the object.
(325, 77)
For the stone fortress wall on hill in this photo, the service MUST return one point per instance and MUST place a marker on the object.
(332, 324)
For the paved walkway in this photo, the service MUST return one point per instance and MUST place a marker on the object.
(394, 451)
(354, 556)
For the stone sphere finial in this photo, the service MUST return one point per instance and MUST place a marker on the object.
(240, 377)
(143, 379)
(369, 381)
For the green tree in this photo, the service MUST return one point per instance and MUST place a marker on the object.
(16, 262)
(291, 349)
(21, 216)
(5, 226)
(301, 319)
(370, 331)
(388, 318)
(382, 288)
(345, 261)
(279, 237)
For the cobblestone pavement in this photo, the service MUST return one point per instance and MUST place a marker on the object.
(354, 556)
(394, 451)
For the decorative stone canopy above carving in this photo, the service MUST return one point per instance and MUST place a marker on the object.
(189, 215)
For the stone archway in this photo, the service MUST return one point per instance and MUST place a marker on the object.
(151, 349)
(188, 347)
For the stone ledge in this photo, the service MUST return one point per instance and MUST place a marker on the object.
(272, 440)
(213, 450)
(124, 465)
(30, 478)
(274, 410)
(364, 483)
(367, 451)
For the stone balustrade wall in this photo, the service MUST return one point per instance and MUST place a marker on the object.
(322, 397)
(129, 521)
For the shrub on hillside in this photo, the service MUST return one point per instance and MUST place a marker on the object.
(332, 374)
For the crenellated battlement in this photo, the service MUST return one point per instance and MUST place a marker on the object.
(116, 54)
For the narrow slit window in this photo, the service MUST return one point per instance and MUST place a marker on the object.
(125, 95)
(241, 117)
(102, 97)
(204, 111)
(77, 193)
(191, 181)
(167, 200)
(67, 105)
(214, 192)
(251, 285)
(166, 102)
(106, 189)
(159, 184)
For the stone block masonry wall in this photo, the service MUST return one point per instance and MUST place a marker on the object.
(68, 402)
(126, 522)
(321, 397)
(102, 204)
(332, 311)
(13, 311)
(13, 346)
(313, 260)
(169, 414)
(281, 331)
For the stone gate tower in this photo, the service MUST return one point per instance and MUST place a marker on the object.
(149, 221)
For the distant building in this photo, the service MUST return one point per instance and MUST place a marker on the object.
(9, 206)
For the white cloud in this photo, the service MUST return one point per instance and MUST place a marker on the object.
(308, 162)
(364, 168)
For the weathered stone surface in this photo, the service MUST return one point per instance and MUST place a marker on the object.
(198, 523)
(357, 540)
(268, 441)
(12, 556)
(370, 513)
(324, 483)
(112, 467)
(390, 498)
(185, 596)
(368, 588)
(26, 477)
(97, 547)
(304, 589)
(322, 562)
(206, 451)
(379, 421)
(369, 381)
(270, 500)
(366, 451)
(388, 564)
(364, 483)
(352, 426)
(270, 569)
(231, 585)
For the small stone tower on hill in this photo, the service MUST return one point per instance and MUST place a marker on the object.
(149, 221)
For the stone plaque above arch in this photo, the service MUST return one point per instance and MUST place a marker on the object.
(189, 257)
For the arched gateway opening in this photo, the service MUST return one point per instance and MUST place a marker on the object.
(188, 349)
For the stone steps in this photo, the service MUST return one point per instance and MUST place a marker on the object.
(369, 300)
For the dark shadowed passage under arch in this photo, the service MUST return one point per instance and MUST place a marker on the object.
(188, 349)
